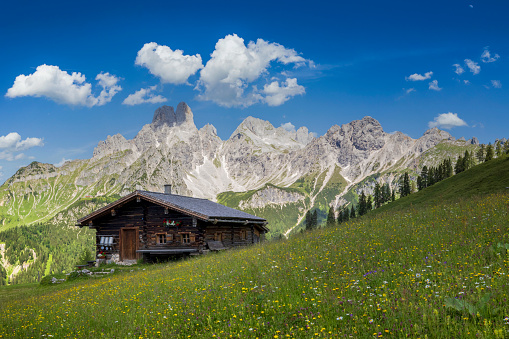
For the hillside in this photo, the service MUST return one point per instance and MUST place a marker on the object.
(327, 170)
(432, 270)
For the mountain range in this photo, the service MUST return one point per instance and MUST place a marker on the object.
(272, 172)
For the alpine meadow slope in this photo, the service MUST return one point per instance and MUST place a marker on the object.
(436, 270)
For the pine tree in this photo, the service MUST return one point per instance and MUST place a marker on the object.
(346, 214)
(406, 189)
(459, 165)
(340, 219)
(498, 149)
(480, 153)
(378, 195)
(386, 193)
(315, 218)
(489, 152)
(393, 196)
(331, 220)
(362, 204)
(424, 176)
(309, 226)
(420, 186)
(506, 147)
(352, 213)
(369, 203)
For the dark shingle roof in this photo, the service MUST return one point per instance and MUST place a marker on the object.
(201, 208)
(207, 208)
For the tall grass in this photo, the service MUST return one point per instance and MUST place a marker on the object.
(384, 275)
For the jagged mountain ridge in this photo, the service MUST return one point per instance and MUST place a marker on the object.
(172, 150)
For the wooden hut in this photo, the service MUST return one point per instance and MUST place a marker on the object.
(147, 224)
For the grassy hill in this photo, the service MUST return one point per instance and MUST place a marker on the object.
(429, 265)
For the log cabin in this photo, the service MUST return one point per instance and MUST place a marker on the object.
(149, 225)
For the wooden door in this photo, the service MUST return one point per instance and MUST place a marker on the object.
(128, 244)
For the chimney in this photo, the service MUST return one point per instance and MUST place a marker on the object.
(167, 189)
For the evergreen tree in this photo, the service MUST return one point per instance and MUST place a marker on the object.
(393, 196)
(424, 176)
(369, 203)
(448, 168)
(331, 220)
(420, 185)
(506, 147)
(386, 193)
(346, 214)
(431, 177)
(459, 165)
(489, 152)
(498, 149)
(480, 153)
(315, 218)
(340, 216)
(362, 204)
(378, 195)
(406, 189)
(309, 225)
(352, 213)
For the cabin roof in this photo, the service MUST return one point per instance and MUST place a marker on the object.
(200, 208)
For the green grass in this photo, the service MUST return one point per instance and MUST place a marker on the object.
(485, 178)
(393, 273)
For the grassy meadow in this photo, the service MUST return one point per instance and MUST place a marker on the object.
(388, 274)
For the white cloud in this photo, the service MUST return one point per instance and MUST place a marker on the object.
(170, 66)
(288, 127)
(13, 142)
(62, 162)
(473, 66)
(277, 95)
(447, 121)
(434, 85)
(62, 87)
(496, 83)
(467, 82)
(410, 90)
(144, 95)
(459, 70)
(227, 78)
(486, 56)
(419, 77)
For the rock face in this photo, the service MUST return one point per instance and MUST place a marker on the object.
(257, 156)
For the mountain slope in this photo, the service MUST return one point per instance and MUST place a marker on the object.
(327, 170)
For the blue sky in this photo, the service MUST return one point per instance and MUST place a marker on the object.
(73, 73)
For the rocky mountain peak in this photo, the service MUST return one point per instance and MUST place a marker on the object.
(112, 144)
(166, 115)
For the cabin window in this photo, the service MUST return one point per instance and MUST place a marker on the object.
(161, 238)
(218, 236)
(243, 234)
(186, 239)
(169, 237)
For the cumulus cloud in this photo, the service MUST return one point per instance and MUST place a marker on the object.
(486, 56)
(143, 96)
(434, 85)
(419, 77)
(170, 66)
(276, 95)
(473, 66)
(459, 70)
(12, 142)
(288, 127)
(64, 88)
(496, 83)
(227, 78)
(467, 82)
(447, 121)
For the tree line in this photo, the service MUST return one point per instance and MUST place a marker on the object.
(428, 176)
